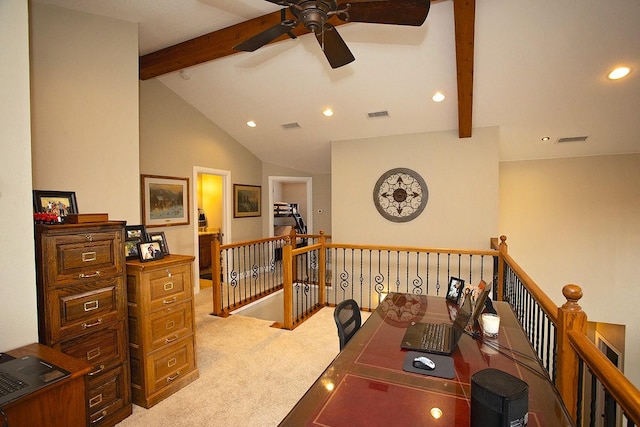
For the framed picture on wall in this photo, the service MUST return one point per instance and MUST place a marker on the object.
(246, 200)
(165, 200)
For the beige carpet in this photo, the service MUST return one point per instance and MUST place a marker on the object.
(250, 374)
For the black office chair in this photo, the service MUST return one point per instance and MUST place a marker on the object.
(347, 317)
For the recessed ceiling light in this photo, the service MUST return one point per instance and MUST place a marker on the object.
(327, 112)
(438, 97)
(619, 73)
(251, 124)
(545, 138)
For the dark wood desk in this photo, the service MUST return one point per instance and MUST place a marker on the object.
(365, 384)
(61, 404)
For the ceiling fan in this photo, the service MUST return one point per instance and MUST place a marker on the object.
(314, 15)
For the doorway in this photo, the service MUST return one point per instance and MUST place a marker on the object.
(304, 192)
(211, 213)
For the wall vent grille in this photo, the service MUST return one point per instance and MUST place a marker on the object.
(378, 114)
(293, 125)
(572, 139)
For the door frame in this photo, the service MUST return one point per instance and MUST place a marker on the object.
(227, 204)
(292, 179)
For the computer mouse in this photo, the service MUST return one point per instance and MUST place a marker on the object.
(424, 363)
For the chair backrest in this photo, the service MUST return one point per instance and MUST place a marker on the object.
(347, 317)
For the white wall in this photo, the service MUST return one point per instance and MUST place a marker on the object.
(85, 109)
(18, 315)
(461, 174)
(578, 221)
(175, 137)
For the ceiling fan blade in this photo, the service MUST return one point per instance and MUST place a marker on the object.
(335, 49)
(396, 12)
(263, 38)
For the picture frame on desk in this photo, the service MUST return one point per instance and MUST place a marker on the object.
(247, 201)
(158, 236)
(149, 251)
(134, 234)
(59, 203)
(165, 201)
(454, 290)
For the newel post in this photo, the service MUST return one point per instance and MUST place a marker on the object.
(570, 318)
(502, 249)
(216, 276)
(322, 270)
(287, 283)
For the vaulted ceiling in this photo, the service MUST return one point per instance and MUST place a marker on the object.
(533, 68)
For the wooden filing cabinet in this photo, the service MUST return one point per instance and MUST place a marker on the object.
(161, 327)
(82, 309)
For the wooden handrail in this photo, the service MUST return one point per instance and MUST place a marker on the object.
(622, 390)
(547, 305)
(413, 249)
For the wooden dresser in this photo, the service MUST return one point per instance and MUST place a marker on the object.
(82, 309)
(161, 327)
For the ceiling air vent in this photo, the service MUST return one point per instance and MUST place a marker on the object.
(572, 139)
(378, 114)
(293, 125)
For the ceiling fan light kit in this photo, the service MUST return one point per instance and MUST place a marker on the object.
(315, 14)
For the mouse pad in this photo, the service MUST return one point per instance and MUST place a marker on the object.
(444, 365)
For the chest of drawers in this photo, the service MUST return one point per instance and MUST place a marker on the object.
(82, 309)
(161, 327)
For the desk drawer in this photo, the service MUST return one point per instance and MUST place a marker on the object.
(169, 286)
(162, 327)
(80, 257)
(170, 364)
(102, 348)
(107, 394)
(78, 309)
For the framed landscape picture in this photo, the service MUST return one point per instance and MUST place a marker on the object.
(165, 200)
(246, 200)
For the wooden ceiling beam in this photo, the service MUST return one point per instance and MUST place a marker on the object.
(464, 13)
(219, 44)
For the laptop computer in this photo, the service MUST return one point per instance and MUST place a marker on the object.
(437, 338)
(25, 375)
(442, 338)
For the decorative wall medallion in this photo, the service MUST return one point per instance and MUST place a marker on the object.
(400, 195)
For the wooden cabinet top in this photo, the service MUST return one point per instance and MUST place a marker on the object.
(66, 228)
(167, 261)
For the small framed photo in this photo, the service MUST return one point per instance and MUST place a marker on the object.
(455, 289)
(246, 200)
(165, 200)
(58, 203)
(134, 234)
(158, 236)
(149, 251)
(131, 249)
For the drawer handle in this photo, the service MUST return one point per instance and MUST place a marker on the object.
(168, 286)
(170, 324)
(91, 305)
(168, 340)
(168, 273)
(92, 354)
(169, 301)
(100, 418)
(88, 276)
(91, 325)
(97, 371)
(173, 377)
(89, 256)
(95, 400)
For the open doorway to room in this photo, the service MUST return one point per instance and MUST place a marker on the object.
(211, 212)
(291, 190)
